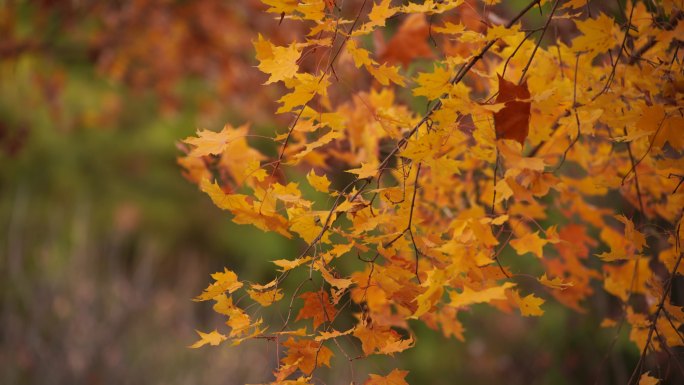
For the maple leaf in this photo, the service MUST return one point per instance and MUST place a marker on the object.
(286, 264)
(266, 298)
(620, 280)
(210, 142)
(469, 296)
(339, 283)
(281, 6)
(425, 233)
(433, 85)
(320, 183)
(385, 74)
(432, 6)
(279, 62)
(529, 305)
(317, 306)
(410, 41)
(213, 338)
(500, 31)
(361, 56)
(380, 339)
(305, 224)
(225, 281)
(450, 28)
(306, 354)
(529, 243)
(395, 377)
(322, 336)
(597, 36)
(367, 170)
(243, 211)
(304, 87)
(556, 283)
(397, 346)
(379, 14)
(513, 121)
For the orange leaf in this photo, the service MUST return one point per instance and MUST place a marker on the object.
(409, 42)
(529, 243)
(396, 377)
(380, 339)
(306, 354)
(318, 307)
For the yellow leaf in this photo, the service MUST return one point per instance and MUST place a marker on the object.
(470, 297)
(312, 9)
(630, 277)
(279, 62)
(433, 85)
(556, 283)
(450, 28)
(397, 346)
(304, 87)
(304, 223)
(500, 220)
(499, 31)
(214, 338)
(385, 74)
(339, 283)
(322, 336)
(367, 170)
(286, 264)
(243, 211)
(225, 281)
(210, 142)
(360, 56)
(320, 183)
(597, 36)
(266, 298)
(281, 6)
(529, 243)
(431, 6)
(435, 288)
(529, 305)
(646, 379)
(322, 141)
(306, 354)
(483, 233)
(380, 12)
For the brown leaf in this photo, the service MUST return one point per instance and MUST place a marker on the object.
(513, 121)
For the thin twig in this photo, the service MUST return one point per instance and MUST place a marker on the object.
(536, 47)
(659, 308)
(611, 76)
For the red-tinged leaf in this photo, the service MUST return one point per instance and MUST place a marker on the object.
(317, 306)
(410, 41)
(512, 121)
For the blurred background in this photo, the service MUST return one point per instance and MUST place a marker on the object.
(103, 244)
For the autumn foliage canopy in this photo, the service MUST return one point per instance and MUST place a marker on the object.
(434, 145)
